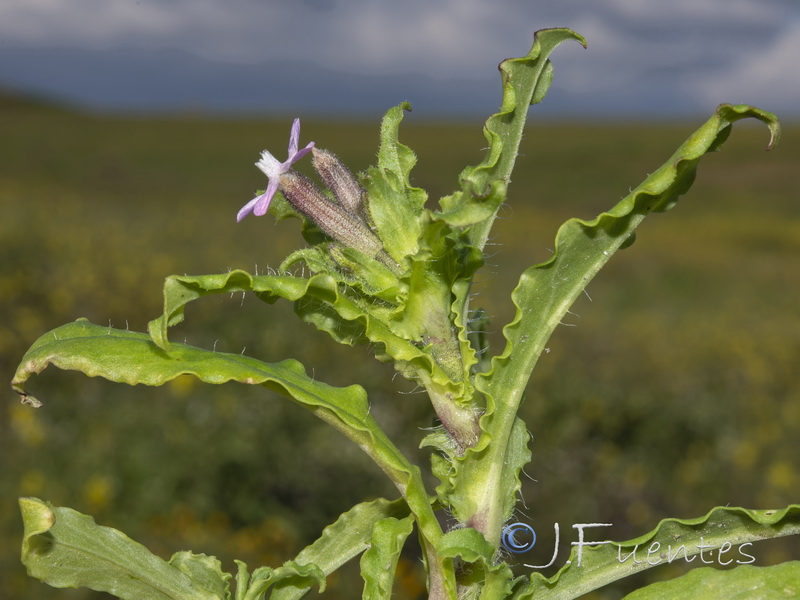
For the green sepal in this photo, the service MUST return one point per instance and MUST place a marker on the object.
(599, 565)
(65, 548)
(370, 276)
(395, 206)
(315, 259)
(349, 267)
(379, 562)
(745, 582)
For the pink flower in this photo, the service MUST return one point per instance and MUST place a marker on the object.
(273, 170)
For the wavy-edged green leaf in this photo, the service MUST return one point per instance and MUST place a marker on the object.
(64, 548)
(546, 291)
(264, 578)
(493, 579)
(341, 541)
(465, 219)
(426, 314)
(379, 562)
(427, 317)
(466, 543)
(746, 582)
(723, 529)
(395, 206)
(483, 187)
(205, 571)
(133, 358)
(464, 499)
(318, 300)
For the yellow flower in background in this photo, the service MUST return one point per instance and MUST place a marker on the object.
(25, 424)
(98, 491)
(781, 475)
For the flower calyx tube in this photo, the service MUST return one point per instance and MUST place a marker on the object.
(339, 179)
(334, 219)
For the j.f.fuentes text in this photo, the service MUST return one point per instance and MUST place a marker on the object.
(654, 554)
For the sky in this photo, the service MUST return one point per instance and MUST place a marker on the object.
(645, 58)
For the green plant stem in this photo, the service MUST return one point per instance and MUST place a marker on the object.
(408, 480)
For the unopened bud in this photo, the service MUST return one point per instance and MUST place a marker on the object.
(331, 218)
(339, 180)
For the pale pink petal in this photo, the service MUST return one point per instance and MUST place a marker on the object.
(273, 169)
(269, 165)
(294, 138)
(246, 209)
(263, 202)
(298, 155)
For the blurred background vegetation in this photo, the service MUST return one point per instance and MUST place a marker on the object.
(672, 389)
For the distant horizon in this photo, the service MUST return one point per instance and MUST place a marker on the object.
(645, 60)
(125, 82)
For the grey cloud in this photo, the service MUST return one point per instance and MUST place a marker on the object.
(767, 76)
(684, 50)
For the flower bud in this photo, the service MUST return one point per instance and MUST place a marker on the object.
(339, 180)
(334, 220)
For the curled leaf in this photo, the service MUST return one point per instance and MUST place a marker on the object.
(130, 357)
(379, 562)
(348, 537)
(64, 548)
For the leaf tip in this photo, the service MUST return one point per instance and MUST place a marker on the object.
(33, 507)
(745, 110)
(774, 134)
(561, 32)
(26, 398)
(37, 518)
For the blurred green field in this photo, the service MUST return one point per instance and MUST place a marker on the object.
(672, 389)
